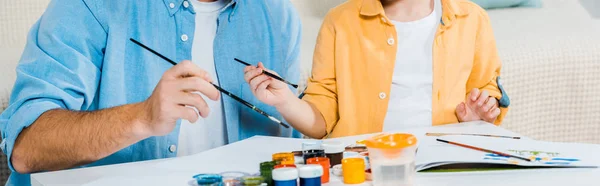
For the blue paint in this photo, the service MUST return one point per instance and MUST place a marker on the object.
(557, 163)
(565, 159)
(316, 181)
(286, 183)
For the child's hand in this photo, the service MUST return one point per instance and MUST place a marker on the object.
(479, 106)
(268, 90)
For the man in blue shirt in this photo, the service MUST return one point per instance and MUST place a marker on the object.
(85, 95)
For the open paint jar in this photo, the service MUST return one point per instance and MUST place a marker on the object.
(307, 154)
(284, 158)
(334, 150)
(207, 180)
(392, 159)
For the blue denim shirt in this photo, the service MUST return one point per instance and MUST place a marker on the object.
(78, 56)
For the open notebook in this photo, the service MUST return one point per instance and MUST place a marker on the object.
(437, 156)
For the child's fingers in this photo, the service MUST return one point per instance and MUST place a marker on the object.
(493, 114)
(474, 94)
(461, 112)
(489, 104)
(482, 98)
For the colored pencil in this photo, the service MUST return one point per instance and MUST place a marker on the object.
(249, 105)
(484, 150)
(269, 74)
(484, 135)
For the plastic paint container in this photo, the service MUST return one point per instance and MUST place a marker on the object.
(324, 162)
(310, 175)
(253, 180)
(311, 144)
(307, 154)
(284, 158)
(284, 166)
(334, 150)
(233, 178)
(353, 170)
(208, 179)
(266, 169)
(285, 177)
(392, 158)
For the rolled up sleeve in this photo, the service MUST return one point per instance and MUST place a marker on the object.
(485, 74)
(321, 90)
(59, 68)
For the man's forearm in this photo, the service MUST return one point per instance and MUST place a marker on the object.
(61, 139)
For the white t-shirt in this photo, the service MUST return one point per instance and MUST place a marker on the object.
(410, 95)
(210, 132)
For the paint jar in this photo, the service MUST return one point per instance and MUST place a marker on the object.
(307, 154)
(310, 175)
(284, 166)
(233, 178)
(311, 144)
(324, 162)
(285, 177)
(208, 180)
(334, 150)
(253, 180)
(392, 159)
(363, 155)
(353, 170)
(284, 158)
(266, 169)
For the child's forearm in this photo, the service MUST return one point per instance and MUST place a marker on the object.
(303, 117)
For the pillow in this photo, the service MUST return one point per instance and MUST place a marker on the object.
(491, 4)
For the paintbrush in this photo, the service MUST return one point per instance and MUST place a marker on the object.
(484, 135)
(249, 105)
(269, 74)
(482, 149)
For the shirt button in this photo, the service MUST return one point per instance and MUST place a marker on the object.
(390, 41)
(172, 5)
(184, 37)
(382, 95)
(172, 148)
(186, 4)
(383, 19)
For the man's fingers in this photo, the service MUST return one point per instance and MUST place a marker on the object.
(196, 101)
(474, 94)
(195, 84)
(188, 113)
(482, 98)
(187, 69)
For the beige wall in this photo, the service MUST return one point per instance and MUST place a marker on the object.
(16, 18)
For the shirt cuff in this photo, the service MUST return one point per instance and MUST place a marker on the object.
(23, 117)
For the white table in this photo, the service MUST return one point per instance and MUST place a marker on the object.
(246, 155)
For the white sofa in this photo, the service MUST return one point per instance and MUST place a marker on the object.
(551, 60)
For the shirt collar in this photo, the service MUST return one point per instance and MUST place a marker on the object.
(450, 9)
(178, 3)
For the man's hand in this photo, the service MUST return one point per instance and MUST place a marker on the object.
(479, 106)
(175, 97)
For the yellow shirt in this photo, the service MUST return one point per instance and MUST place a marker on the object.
(354, 62)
